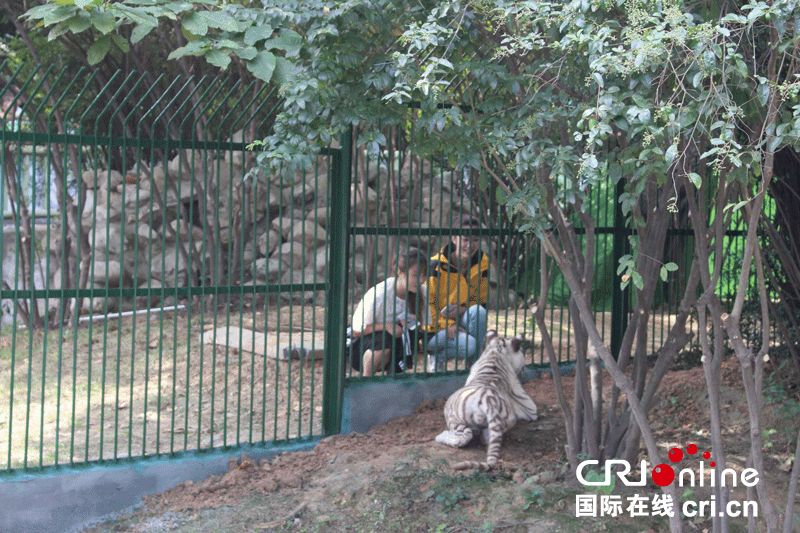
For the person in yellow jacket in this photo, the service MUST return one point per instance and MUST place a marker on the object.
(458, 286)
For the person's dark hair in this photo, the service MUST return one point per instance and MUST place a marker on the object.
(412, 257)
(468, 221)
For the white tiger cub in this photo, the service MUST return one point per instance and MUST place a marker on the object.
(491, 401)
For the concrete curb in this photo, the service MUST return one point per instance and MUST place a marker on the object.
(73, 499)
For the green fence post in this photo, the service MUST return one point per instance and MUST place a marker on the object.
(620, 306)
(336, 317)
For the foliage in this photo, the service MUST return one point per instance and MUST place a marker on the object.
(211, 29)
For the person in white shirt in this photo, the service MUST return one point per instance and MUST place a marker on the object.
(388, 317)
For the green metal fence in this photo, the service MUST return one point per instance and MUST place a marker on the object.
(151, 294)
(155, 302)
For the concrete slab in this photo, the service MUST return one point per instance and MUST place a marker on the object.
(279, 345)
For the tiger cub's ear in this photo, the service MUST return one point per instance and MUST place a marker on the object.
(516, 343)
(491, 334)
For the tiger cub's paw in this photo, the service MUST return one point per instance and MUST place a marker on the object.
(452, 439)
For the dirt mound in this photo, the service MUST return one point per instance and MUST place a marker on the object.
(396, 478)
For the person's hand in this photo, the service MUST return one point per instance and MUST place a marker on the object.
(454, 313)
(452, 330)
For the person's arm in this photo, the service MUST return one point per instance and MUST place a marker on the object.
(371, 314)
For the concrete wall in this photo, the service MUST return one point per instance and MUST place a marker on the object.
(69, 500)
(370, 404)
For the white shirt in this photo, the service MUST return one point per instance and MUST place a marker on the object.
(380, 305)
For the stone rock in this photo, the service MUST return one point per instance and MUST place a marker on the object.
(306, 275)
(104, 179)
(268, 241)
(237, 157)
(105, 239)
(187, 162)
(274, 267)
(261, 268)
(319, 215)
(308, 234)
(165, 264)
(248, 254)
(145, 181)
(321, 260)
(358, 202)
(284, 223)
(180, 228)
(102, 270)
(290, 254)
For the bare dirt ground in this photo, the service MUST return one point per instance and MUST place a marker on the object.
(396, 478)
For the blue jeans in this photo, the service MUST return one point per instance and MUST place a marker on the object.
(466, 345)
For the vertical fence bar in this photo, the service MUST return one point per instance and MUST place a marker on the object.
(619, 298)
(336, 318)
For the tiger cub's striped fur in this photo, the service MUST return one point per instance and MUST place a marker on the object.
(491, 401)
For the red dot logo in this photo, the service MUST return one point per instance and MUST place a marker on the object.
(675, 455)
(663, 475)
(713, 464)
(692, 449)
(706, 455)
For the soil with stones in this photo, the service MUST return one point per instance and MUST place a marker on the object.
(396, 478)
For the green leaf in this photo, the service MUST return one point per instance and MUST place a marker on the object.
(218, 19)
(137, 15)
(284, 70)
(227, 43)
(40, 12)
(121, 43)
(288, 41)
(637, 280)
(763, 93)
(195, 24)
(671, 267)
(58, 30)
(247, 53)
(59, 14)
(218, 58)
(263, 65)
(98, 50)
(695, 179)
(670, 154)
(140, 31)
(80, 23)
(193, 48)
(774, 143)
(735, 207)
(501, 196)
(664, 273)
(257, 33)
(104, 21)
(615, 172)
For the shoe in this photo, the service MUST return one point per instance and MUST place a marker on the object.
(294, 353)
(434, 366)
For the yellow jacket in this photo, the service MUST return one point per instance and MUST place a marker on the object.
(447, 286)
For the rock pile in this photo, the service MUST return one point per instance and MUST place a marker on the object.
(198, 220)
